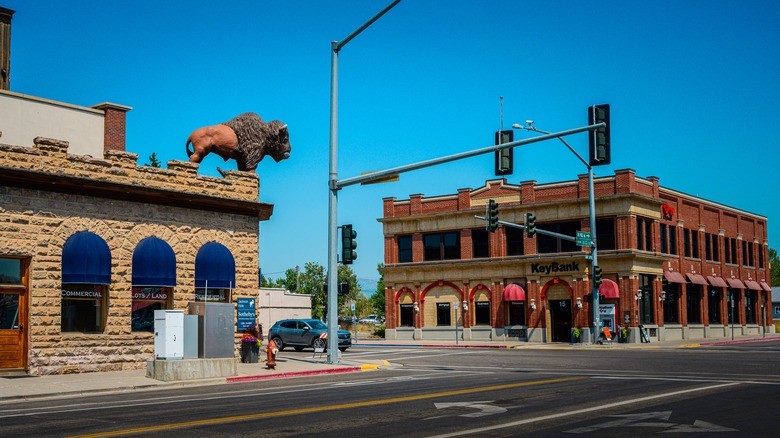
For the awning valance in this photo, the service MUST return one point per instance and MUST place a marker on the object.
(609, 289)
(752, 285)
(674, 277)
(86, 259)
(766, 287)
(717, 281)
(215, 266)
(734, 283)
(154, 264)
(513, 292)
(696, 279)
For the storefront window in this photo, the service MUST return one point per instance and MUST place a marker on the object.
(671, 313)
(212, 295)
(715, 299)
(693, 303)
(83, 308)
(145, 301)
(443, 315)
(516, 313)
(750, 307)
(482, 313)
(733, 305)
(407, 315)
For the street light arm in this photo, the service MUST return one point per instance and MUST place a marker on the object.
(533, 128)
(337, 45)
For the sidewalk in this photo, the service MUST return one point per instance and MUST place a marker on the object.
(26, 387)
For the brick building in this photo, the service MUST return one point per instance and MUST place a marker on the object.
(671, 263)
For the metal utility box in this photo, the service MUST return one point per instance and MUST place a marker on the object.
(190, 336)
(216, 329)
(168, 334)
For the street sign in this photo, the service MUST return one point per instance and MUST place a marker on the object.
(583, 238)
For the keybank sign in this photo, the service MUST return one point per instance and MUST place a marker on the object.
(538, 268)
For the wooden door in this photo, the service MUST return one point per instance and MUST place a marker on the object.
(13, 314)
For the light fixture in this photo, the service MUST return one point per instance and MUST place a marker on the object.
(579, 303)
(465, 306)
(638, 295)
(662, 297)
(416, 307)
(533, 304)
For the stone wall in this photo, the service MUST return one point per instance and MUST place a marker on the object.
(35, 223)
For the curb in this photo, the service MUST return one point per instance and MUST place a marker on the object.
(295, 374)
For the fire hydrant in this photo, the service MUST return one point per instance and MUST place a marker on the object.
(271, 351)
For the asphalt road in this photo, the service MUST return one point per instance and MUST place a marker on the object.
(725, 390)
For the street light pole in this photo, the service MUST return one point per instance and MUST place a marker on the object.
(332, 298)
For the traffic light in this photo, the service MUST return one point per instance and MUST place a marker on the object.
(530, 224)
(597, 276)
(504, 157)
(348, 244)
(599, 139)
(492, 214)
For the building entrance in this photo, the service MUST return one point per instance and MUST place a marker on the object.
(13, 314)
(560, 320)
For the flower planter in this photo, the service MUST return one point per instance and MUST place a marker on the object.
(249, 352)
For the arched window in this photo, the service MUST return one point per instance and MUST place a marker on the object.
(215, 273)
(154, 276)
(86, 272)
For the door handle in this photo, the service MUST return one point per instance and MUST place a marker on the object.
(21, 327)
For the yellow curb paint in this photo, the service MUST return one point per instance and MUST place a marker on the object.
(369, 367)
(329, 408)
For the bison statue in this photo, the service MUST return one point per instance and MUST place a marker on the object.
(245, 138)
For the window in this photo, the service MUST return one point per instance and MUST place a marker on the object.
(715, 298)
(11, 273)
(514, 241)
(605, 233)
(761, 259)
(407, 315)
(404, 249)
(482, 313)
(693, 303)
(732, 305)
(750, 307)
(516, 313)
(215, 273)
(86, 270)
(671, 314)
(145, 301)
(691, 243)
(441, 246)
(747, 253)
(547, 244)
(479, 242)
(646, 309)
(644, 234)
(730, 250)
(443, 316)
(711, 247)
(668, 237)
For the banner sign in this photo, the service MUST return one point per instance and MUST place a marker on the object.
(246, 313)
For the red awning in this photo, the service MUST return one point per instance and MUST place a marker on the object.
(734, 283)
(752, 285)
(766, 287)
(696, 279)
(717, 281)
(609, 289)
(674, 277)
(513, 292)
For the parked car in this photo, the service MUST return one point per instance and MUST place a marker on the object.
(372, 319)
(304, 333)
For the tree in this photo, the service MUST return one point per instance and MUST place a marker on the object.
(153, 161)
(312, 281)
(774, 264)
(378, 297)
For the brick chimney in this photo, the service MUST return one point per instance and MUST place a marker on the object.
(114, 132)
(5, 48)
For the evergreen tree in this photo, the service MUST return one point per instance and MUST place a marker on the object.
(774, 263)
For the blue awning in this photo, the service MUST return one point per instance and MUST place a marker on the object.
(154, 264)
(86, 259)
(215, 264)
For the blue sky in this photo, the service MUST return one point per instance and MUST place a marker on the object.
(693, 88)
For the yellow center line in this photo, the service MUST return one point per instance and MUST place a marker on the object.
(258, 416)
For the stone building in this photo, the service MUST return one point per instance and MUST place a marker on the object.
(92, 242)
(679, 266)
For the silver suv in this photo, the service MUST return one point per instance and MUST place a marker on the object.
(304, 333)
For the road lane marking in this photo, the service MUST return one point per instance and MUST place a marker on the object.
(314, 409)
(605, 408)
